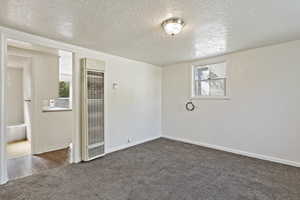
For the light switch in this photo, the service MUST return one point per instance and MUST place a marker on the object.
(115, 85)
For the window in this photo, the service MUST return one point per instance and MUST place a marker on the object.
(210, 80)
(64, 99)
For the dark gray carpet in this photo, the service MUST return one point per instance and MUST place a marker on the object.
(161, 169)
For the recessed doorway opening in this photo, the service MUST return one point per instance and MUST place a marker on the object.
(39, 108)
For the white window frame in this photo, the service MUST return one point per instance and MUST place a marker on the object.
(204, 64)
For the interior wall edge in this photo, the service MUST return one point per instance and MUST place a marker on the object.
(3, 171)
(122, 147)
(235, 151)
(229, 53)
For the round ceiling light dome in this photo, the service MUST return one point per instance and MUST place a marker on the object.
(173, 26)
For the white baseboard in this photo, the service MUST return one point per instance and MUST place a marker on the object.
(235, 151)
(125, 146)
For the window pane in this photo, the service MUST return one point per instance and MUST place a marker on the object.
(196, 88)
(217, 87)
(205, 88)
(217, 70)
(201, 73)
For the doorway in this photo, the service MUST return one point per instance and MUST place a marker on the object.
(39, 112)
(19, 106)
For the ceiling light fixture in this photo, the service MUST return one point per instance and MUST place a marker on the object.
(173, 26)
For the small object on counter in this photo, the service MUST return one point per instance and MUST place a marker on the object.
(52, 103)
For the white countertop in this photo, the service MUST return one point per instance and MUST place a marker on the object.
(56, 109)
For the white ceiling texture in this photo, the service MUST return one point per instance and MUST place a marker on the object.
(132, 28)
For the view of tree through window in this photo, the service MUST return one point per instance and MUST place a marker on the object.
(65, 80)
(64, 89)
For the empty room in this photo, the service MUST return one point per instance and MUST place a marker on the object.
(149, 100)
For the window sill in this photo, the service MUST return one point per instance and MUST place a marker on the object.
(56, 109)
(210, 98)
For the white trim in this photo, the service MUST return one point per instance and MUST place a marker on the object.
(106, 104)
(125, 146)
(210, 98)
(76, 137)
(3, 159)
(235, 151)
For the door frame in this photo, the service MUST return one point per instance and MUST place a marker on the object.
(3, 159)
(6, 33)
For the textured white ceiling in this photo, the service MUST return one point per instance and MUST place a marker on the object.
(131, 28)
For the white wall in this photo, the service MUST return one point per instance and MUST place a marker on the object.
(262, 115)
(132, 111)
(3, 156)
(51, 130)
(15, 114)
(134, 108)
